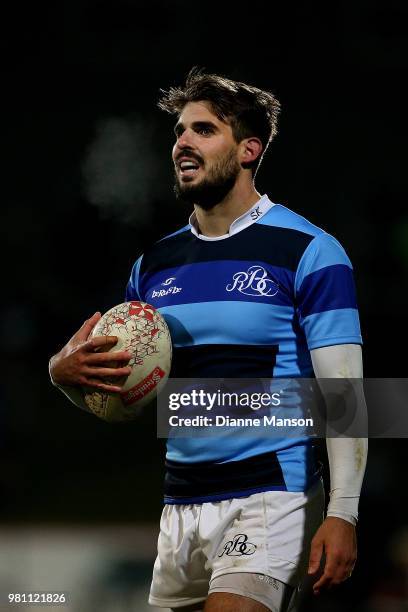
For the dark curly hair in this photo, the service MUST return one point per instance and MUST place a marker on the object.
(250, 111)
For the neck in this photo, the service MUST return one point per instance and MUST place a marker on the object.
(217, 221)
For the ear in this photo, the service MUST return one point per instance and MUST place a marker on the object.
(250, 151)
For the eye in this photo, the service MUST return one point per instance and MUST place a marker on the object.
(205, 130)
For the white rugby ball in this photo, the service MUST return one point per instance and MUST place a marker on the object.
(143, 332)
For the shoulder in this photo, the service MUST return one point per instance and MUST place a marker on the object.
(291, 234)
(180, 232)
(159, 252)
(316, 241)
(284, 218)
(180, 236)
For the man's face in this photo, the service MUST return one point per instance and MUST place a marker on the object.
(205, 156)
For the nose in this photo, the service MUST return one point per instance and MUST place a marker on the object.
(184, 141)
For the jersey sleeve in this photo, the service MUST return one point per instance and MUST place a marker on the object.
(326, 296)
(132, 288)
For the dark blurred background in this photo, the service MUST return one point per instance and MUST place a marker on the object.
(88, 185)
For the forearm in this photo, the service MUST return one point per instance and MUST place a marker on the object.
(347, 461)
(347, 456)
(74, 394)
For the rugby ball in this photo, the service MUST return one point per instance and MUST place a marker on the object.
(143, 332)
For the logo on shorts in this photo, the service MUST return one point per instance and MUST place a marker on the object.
(238, 547)
(272, 581)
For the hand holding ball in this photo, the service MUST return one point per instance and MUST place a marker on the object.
(142, 331)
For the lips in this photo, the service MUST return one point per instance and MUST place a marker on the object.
(188, 166)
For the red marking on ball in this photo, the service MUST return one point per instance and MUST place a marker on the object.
(136, 393)
(146, 311)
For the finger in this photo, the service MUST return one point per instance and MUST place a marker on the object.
(96, 384)
(100, 358)
(316, 551)
(323, 582)
(100, 342)
(107, 372)
(334, 573)
(87, 327)
(345, 572)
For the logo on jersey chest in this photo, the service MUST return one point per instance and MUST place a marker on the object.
(163, 292)
(254, 282)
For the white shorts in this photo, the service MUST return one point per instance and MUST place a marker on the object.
(265, 533)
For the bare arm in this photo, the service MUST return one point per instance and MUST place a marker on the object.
(83, 362)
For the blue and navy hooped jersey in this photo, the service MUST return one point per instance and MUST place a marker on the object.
(249, 304)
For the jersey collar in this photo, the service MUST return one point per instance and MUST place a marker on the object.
(248, 218)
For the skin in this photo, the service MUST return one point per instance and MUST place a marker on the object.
(336, 538)
(225, 602)
(81, 362)
(202, 136)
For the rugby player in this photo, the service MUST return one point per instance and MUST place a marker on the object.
(256, 291)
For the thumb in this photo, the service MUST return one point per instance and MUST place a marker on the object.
(86, 328)
(316, 551)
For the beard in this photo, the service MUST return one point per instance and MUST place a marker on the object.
(213, 189)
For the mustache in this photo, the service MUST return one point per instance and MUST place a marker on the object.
(191, 155)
